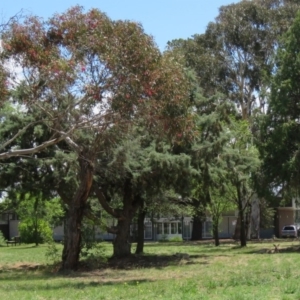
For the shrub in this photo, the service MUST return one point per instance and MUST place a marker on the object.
(52, 252)
(2, 239)
(176, 239)
(163, 238)
(88, 239)
(35, 231)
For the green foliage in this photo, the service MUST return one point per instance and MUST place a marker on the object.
(52, 253)
(163, 238)
(2, 239)
(280, 133)
(175, 239)
(267, 214)
(35, 207)
(35, 231)
(37, 215)
(88, 239)
(236, 54)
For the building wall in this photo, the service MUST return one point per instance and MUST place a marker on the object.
(227, 227)
(13, 228)
(164, 228)
(58, 233)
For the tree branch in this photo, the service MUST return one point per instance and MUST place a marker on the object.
(112, 230)
(102, 200)
(21, 131)
(28, 151)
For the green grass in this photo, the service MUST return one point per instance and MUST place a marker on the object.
(225, 272)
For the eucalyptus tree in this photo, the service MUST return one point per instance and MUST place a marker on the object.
(236, 54)
(93, 78)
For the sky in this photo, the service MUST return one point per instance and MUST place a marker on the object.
(165, 20)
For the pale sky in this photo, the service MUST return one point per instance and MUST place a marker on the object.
(165, 20)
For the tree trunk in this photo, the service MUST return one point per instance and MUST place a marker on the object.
(248, 224)
(216, 231)
(255, 217)
(36, 233)
(121, 244)
(243, 239)
(36, 229)
(131, 203)
(140, 235)
(72, 245)
(237, 229)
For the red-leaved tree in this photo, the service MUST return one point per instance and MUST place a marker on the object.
(92, 79)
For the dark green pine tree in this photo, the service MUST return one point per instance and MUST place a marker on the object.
(136, 177)
(213, 117)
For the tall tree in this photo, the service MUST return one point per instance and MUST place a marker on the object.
(91, 81)
(242, 163)
(219, 203)
(145, 169)
(280, 127)
(236, 54)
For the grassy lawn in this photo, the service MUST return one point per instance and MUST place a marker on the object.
(164, 272)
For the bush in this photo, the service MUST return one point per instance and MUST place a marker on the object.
(29, 234)
(176, 239)
(163, 238)
(2, 239)
(53, 254)
(88, 239)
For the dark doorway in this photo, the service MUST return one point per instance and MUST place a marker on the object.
(5, 230)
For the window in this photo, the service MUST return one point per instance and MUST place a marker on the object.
(289, 228)
(186, 230)
(148, 230)
(166, 228)
(173, 228)
(207, 229)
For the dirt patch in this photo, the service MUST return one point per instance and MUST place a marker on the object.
(24, 266)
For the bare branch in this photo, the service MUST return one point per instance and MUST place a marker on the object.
(102, 200)
(20, 132)
(28, 151)
(72, 144)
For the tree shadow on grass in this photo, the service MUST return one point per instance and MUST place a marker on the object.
(26, 278)
(61, 284)
(150, 261)
(29, 271)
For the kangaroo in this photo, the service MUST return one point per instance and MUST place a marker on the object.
(276, 250)
(272, 251)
